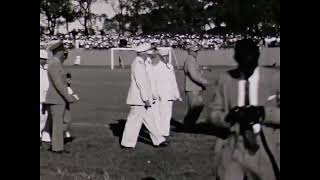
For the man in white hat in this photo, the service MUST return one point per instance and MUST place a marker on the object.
(167, 90)
(140, 99)
(44, 85)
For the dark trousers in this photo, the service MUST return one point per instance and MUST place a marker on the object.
(195, 106)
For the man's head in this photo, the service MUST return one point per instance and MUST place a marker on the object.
(58, 50)
(146, 50)
(193, 50)
(164, 55)
(43, 57)
(246, 55)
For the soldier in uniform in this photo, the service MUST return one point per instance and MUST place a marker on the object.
(140, 99)
(246, 104)
(195, 83)
(58, 96)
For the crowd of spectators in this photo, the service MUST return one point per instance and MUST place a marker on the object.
(106, 41)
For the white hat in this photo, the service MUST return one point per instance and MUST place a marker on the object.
(163, 52)
(143, 47)
(43, 54)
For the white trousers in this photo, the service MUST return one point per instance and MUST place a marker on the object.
(137, 116)
(43, 119)
(164, 109)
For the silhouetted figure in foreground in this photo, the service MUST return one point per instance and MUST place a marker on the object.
(247, 104)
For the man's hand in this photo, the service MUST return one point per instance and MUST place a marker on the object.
(76, 96)
(147, 104)
(207, 83)
(236, 114)
(255, 114)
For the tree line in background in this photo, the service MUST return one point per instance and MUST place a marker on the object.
(168, 16)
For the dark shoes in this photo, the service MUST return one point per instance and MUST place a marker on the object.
(163, 144)
(69, 139)
(126, 148)
(60, 152)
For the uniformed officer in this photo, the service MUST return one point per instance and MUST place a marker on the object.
(44, 85)
(167, 89)
(140, 100)
(195, 83)
(58, 96)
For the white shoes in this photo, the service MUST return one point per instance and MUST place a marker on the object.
(46, 137)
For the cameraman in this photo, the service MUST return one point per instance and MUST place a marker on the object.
(247, 104)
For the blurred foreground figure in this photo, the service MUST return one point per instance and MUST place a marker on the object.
(140, 99)
(195, 83)
(247, 104)
(44, 85)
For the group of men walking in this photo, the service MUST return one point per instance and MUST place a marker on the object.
(153, 88)
(245, 104)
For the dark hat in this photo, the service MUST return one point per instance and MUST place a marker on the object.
(192, 48)
(57, 46)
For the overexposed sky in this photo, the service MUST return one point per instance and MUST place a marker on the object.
(100, 7)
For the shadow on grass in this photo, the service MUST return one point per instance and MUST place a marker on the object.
(118, 128)
(199, 128)
(149, 178)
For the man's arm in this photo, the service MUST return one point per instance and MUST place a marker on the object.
(152, 74)
(195, 75)
(272, 115)
(175, 84)
(272, 109)
(143, 82)
(217, 112)
(55, 73)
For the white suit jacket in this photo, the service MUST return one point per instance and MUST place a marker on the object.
(152, 75)
(44, 83)
(165, 82)
(140, 87)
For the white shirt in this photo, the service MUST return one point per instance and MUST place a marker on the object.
(253, 93)
(253, 89)
(44, 82)
(165, 82)
(152, 77)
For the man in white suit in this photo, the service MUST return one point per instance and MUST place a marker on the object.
(140, 100)
(166, 90)
(44, 85)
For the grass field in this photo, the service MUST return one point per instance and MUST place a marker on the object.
(98, 120)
